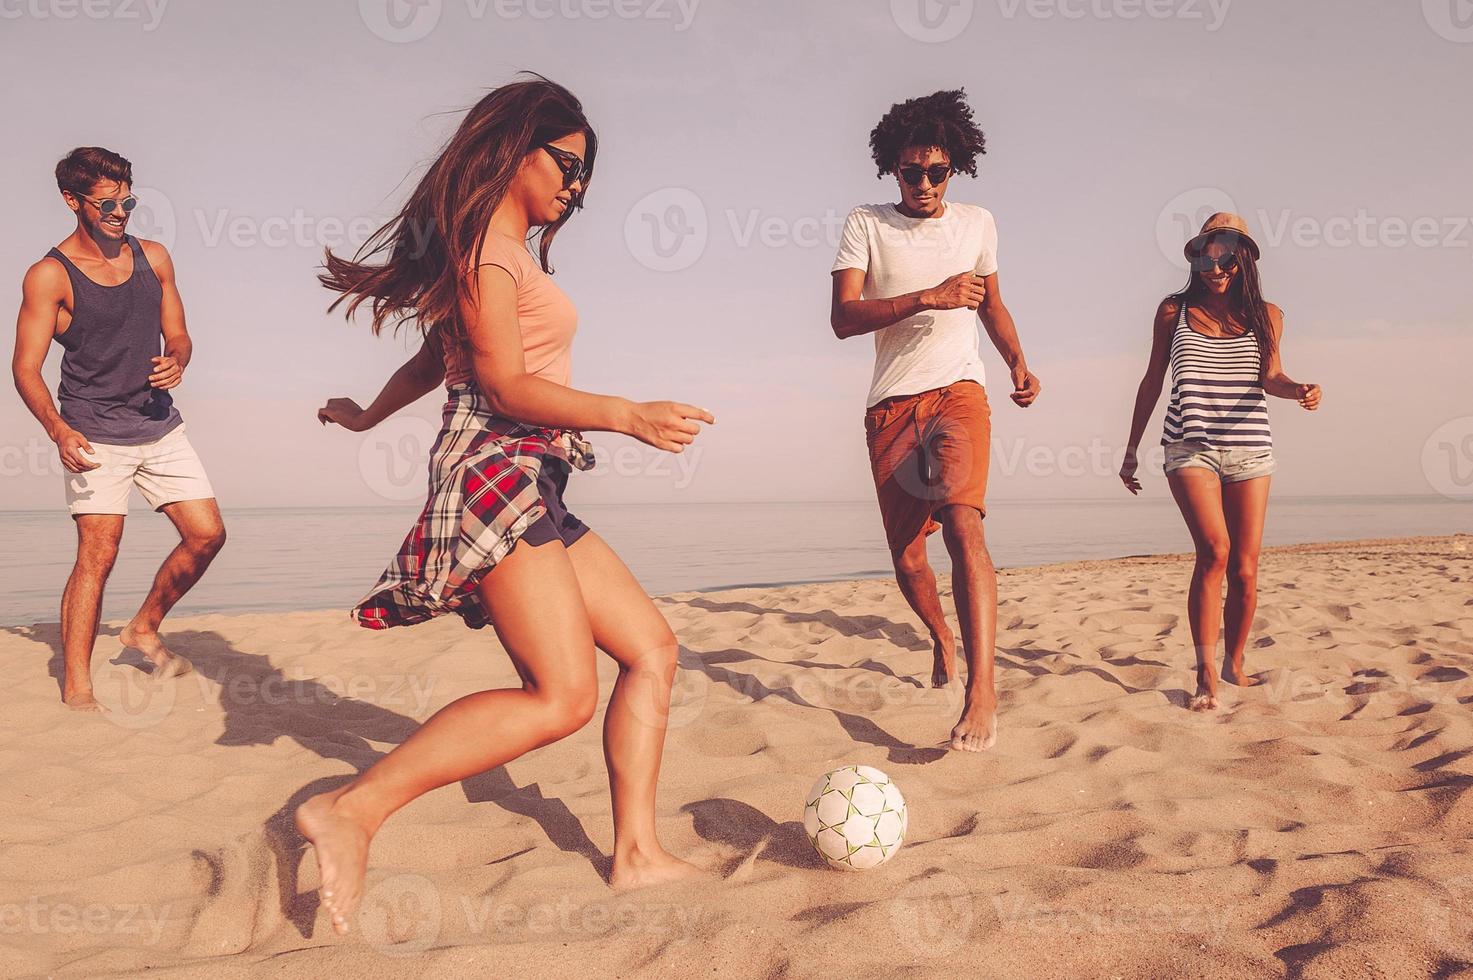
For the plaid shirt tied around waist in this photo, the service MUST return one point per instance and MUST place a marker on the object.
(482, 496)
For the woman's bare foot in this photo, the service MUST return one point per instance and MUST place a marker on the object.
(1202, 701)
(341, 845)
(82, 701)
(640, 869)
(1232, 672)
(1206, 697)
(166, 663)
(976, 731)
(943, 670)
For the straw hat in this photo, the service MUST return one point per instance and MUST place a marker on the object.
(1221, 221)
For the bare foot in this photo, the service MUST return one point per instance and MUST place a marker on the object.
(1232, 672)
(82, 701)
(976, 731)
(341, 846)
(640, 869)
(166, 663)
(943, 671)
(1202, 701)
(1206, 697)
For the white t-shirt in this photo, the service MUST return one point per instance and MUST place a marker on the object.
(899, 254)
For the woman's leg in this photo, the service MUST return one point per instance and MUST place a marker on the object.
(1199, 495)
(535, 604)
(627, 626)
(1244, 505)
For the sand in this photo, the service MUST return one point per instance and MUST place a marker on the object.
(1315, 826)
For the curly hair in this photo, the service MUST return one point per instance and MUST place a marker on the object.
(941, 119)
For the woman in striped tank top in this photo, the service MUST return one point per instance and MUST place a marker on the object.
(1219, 339)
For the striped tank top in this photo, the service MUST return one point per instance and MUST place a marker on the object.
(1216, 390)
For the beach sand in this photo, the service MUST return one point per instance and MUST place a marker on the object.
(1316, 825)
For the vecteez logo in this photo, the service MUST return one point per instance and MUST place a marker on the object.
(400, 21)
(666, 230)
(932, 21)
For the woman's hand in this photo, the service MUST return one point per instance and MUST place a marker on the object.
(669, 426)
(1128, 470)
(1309, 396)
(343, 411)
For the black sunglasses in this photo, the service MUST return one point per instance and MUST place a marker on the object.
(108, 205)
(1206, 263)
(575, 171)
(936, 174)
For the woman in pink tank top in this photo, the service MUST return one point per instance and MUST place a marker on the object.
(495, 543)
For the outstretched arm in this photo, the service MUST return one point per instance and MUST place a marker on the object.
(499, 363)
(414, 379)
(1275, 381)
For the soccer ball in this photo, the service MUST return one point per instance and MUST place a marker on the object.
(855, 818)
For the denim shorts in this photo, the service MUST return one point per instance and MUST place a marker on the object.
(1230, 465)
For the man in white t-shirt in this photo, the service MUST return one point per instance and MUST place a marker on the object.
(911, 274)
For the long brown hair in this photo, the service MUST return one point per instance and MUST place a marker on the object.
(1245, 295)
(415, 269)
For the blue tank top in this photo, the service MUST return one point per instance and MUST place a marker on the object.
(105, 364)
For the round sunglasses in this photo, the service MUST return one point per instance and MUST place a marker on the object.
(1206, 263)
(108, 205)
(937, 174)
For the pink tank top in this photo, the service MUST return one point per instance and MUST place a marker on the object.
(545, 314)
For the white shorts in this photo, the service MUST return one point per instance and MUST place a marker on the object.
(165, 471)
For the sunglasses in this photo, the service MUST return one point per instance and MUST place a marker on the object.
(108, 205)
(936, 174)
(575, 171)
(1206, 263)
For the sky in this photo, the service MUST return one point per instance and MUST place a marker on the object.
(733, 141)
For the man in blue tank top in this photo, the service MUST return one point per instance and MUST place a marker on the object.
(110, 302)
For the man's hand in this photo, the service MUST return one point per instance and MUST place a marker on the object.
(167, 372)
(1026, 386)
(344, 412)
(965, 289)
(70, 444)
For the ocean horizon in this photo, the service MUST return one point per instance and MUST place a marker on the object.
(287, 558)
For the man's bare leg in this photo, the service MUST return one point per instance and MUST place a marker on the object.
(974, 587)
(201, 536)
(81, 605)
(918, 584)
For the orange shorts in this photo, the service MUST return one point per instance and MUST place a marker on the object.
(926, 451)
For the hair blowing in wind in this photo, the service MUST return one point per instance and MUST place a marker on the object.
(417, 267)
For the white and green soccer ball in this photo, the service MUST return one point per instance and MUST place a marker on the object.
(855, 818)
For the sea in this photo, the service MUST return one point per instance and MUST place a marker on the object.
(316, 558)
